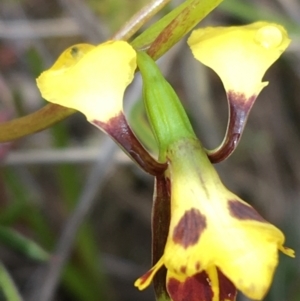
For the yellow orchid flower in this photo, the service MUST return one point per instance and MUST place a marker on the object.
(213, 231)
(90, 79)
(240, 55)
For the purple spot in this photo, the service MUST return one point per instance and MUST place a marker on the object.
(183, 269)
(192, 289)
(227, 289)
(197, 266)
(242, 211)
(189, 228)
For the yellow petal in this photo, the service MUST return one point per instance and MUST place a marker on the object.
(90, 79)
(71, 56)
(214, 282)
(245, 250)
(240, 55)
(210, 226)
(147, 278)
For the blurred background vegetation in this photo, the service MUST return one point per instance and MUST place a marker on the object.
(71, 175)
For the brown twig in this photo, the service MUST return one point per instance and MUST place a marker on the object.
(139, 19)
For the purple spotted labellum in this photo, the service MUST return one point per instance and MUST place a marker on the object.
(199, 286)
(216, 242)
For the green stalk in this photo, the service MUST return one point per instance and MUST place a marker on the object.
(165, 112)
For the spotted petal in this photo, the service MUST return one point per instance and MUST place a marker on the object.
(210, 226)
(203, 286)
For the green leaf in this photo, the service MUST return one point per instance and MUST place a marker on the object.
(7, 286)
(20, 243)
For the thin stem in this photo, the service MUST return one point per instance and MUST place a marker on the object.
(160, 228)
(185, 17)
(239, 110)
(35, 122)
(9, 290)
(86, 201)
(119, 130)
(139, 19)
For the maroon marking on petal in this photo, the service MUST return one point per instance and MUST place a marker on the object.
(183, 269)
(189, 228)
(227, 289)
(146, 276)
(197, 266)
(167, 35)
(118, 129)
(243, 212)
(240, 99)
(194, 288)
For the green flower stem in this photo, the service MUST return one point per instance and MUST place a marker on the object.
(183, 23)
(35, 122)
(165, 112)
(186, 16)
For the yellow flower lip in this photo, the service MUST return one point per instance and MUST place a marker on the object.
(240, 55)
(269, 36)
(212, 228)
(90, 79)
